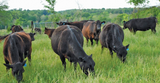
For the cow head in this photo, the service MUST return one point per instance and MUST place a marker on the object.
(48, 32)
(12, 26)
(97, 29)
(124, 25)
(121, 52)
(16, 28)
(87, 64)
(17, 70)
(61, 23)
(32, 36)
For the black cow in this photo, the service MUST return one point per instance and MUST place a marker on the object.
(67, 42)
(91, 30)
(26, 38)
(79, 24)
(13, 50)
(38, 30)
(112, 37)
(141, 24)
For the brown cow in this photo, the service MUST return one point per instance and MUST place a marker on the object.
(67, 42)
(91, 30)
(16, 28)
(15, 45)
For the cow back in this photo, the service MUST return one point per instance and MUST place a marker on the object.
(58, 36)
(111, 33)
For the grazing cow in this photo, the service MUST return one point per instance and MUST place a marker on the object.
(141, 24)
(27, 38)
(16, 28)
(91, 30)
(67, 42)
(37, 30)
(15, 45)
(79, 24)
(112, 37)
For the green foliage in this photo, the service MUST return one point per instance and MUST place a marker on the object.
(51, 5)
(120, 18)
(158, 17)
(138, 2)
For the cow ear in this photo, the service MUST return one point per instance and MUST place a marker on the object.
(90, 56)
(114, 48)
(34, 33)
(64, 23)
(8, 66)
(127, 47)
(57, 23)
(103, 22)
(124, 22)
(24, 62)
(45, 28)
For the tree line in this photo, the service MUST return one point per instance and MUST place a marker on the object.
(24, 17)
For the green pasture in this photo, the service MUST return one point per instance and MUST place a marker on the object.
(142, 65)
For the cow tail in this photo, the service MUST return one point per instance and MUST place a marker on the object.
(3, 37)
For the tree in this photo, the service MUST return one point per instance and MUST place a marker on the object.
(138, 2)
(51, 9)
(51, 5)
(5, 16)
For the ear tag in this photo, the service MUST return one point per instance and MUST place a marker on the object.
(25, 65)
(103, 23)
(127, 49)
(63, 23)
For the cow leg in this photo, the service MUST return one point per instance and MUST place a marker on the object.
(153, 30)
(97, 42)
(102, 50)
(63, 62)
(29, 55)
(87, 41)
(91, 42)
(134, 31)
(75, 65)
(7, 62)
(111, 52)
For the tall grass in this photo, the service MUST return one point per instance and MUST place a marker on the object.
(142, 65)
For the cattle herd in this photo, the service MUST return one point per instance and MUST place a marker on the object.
(67, 42)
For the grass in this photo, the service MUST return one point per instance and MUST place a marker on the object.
(142, 64)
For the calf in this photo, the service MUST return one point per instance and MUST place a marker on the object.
(91, 30)
(141, 24)
(16, 28)
(112, 37)
(37, 30)
(67, 42)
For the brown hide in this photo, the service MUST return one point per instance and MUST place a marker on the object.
(25, 42)
(49, 32)
(91, 30)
